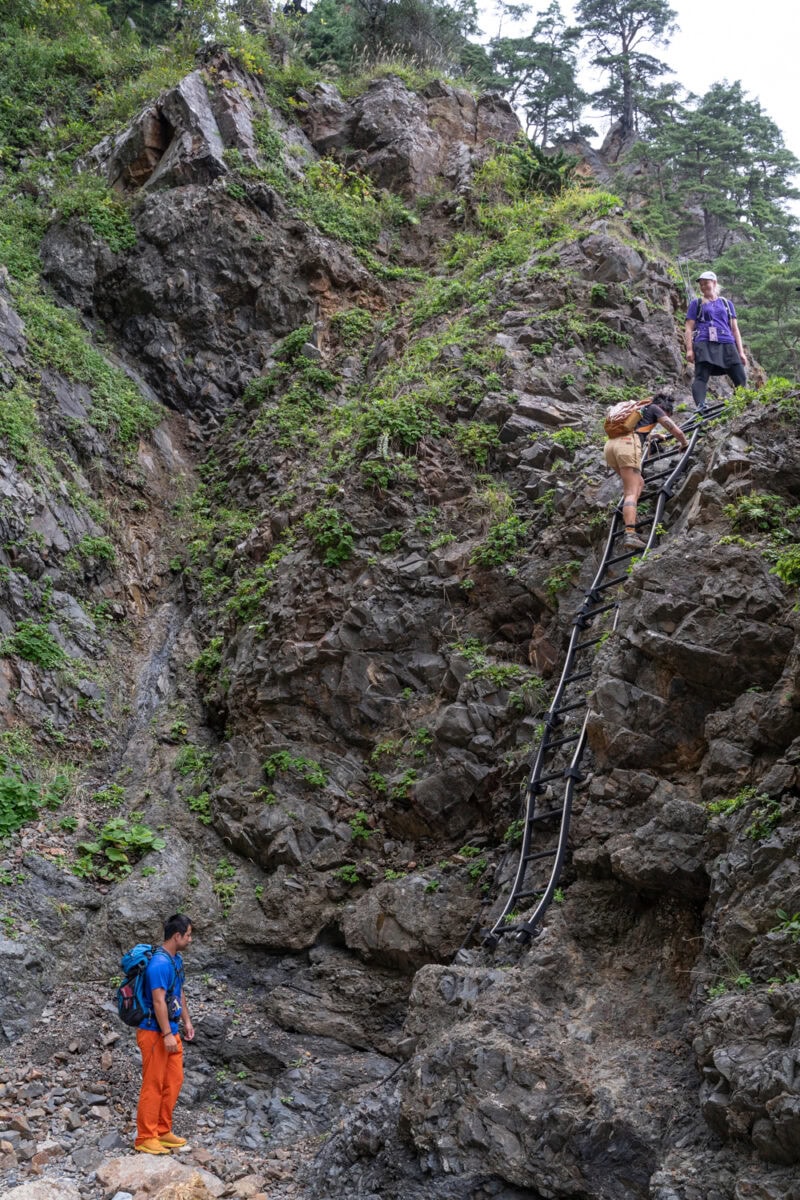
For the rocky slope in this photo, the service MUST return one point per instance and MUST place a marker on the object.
(308, 642)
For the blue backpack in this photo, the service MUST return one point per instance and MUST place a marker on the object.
(131, 1005)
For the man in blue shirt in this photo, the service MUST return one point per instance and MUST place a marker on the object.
(160, 1042)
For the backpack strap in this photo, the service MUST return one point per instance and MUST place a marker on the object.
(699, 316)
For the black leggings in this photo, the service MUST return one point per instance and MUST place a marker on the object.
(702, 371)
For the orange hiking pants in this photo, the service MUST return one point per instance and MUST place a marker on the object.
(162, 1076)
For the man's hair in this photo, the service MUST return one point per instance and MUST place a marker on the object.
(177, 924)
(664, 400)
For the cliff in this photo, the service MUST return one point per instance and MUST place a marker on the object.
(300, 501)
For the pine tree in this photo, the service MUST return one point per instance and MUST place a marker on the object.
(617, 30)
(539, 71)
(728, 157)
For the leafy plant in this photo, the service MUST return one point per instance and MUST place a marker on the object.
(111, 796)
(788, 924)
(561, 577)
(477, 440)
(35, 643)
(118, 844)
(513, 835)
(332, 534)
(224, 884)
(359, 827)
(787, 565)
(502, 542)
(19, 801)
(307, 768)
(765, 818)
(756, 510)
(732, 804)
(348, 874)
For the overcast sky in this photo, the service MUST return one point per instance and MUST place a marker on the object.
(730, 39)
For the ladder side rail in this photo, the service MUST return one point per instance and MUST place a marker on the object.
(528, 928)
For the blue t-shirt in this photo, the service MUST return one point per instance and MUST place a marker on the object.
(167, 973)
(712, 312)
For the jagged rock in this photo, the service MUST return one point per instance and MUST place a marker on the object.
(44, 1189)
(154, 1176)
(410, 142)
(404, 923)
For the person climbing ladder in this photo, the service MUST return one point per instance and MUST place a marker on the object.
(623, 453)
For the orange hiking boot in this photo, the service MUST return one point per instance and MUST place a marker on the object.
(152, 1146)
(171, 1140)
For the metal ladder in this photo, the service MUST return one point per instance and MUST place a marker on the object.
(551, 788)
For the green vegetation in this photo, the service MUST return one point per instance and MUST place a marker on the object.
(359, 826)
(766, 816)
(35, 643)
(89, 199)
(111, 796)
(742, 981)
(561, 578)
(118, 845)
(21, 798)
(732, 804)
(55, 339)
(476, 441)
(224, 884)
(788, 924)
(348, 874)
(503, 541)
(308, 769)
(787, 565)
(332, 534)
(513, 835)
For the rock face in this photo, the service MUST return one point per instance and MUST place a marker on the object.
(410, 143)
(329, 670)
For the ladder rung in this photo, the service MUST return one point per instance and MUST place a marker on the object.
(590, 642)
(550, 776)
(621, 557)
(539, 854)
(610, 583)
(546, 816)
(527, 895)
(569, 707)
(573, 737)
(578, 675)
(591, 613)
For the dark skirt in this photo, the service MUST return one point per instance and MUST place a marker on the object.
(718, 356)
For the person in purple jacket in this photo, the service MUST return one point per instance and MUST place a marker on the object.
(713, 341)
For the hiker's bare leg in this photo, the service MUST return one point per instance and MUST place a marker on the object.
(632, 486)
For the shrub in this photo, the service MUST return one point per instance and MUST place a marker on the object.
(90, 200)
(118, 845)
(561, 578)
(35, 643)
(787, 566)
(502, 542)
(19, 801)
(331, 533)
(477, 440)
(307, 768)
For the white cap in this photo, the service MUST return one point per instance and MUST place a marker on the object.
(707, 275)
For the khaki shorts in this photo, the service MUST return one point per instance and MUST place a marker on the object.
(625, 451)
